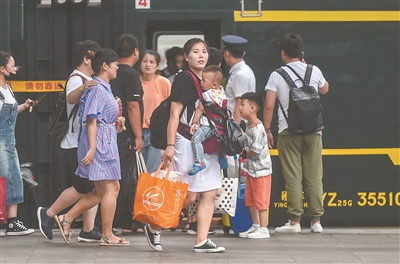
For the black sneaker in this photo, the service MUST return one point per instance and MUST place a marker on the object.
(207, 246)
(17, 228)
(45, 222)
(92, 236)
(154, 239)
(193, 229)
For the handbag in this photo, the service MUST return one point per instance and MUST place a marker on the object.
(225, 200)
(3, 200)
(159, 201)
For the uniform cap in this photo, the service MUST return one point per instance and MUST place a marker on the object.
(234, 42)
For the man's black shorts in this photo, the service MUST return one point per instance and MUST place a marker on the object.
(81, 185)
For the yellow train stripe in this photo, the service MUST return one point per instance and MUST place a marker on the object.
(318, 16)
(393, 153)
(36, 86)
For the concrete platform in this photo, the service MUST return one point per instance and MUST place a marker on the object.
(335, 245)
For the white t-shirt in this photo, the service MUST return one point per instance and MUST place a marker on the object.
(241, 80)
(277, 84)
(70, 140)
(8, 97)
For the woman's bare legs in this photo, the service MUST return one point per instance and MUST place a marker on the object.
(105, 192)
(85, 203)
(205, 211)
(108, 207)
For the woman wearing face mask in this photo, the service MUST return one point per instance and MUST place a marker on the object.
(9, 163)
(156, 89)
(184, 99)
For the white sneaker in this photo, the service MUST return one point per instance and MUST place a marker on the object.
(2, 233)
(316, 227)
(259, 234)
(289, 228)
(245, 233)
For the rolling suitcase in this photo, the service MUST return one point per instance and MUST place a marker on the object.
(242, 220)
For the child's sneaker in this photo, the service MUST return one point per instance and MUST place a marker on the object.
(2, 233)
(289, 228)
(17, 228)
(316, 227)
(207, 246)
(197, 168)
(245, 233)
(223, 162)
(259, 233)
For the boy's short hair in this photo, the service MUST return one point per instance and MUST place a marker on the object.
(214, 56)
(253, 98)
(218, 75)
(126, 45)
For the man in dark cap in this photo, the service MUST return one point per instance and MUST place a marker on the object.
(240, 80)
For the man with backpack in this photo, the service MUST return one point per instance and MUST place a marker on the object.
(78, 82)
(300, 144)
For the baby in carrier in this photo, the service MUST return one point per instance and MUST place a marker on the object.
(214, 97)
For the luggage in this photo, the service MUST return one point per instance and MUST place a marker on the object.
(242, 220)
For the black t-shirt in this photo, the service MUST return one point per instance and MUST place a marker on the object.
(128, 87)
(183, 90)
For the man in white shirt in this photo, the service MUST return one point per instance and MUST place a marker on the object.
(79, 81)
(240, 80)
(300, 154)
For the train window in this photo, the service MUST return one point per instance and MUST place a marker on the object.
(164, 41)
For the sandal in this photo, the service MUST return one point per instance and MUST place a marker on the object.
(106, 241)
(186, 227)
(66, 237)
(197, 168)
(139, 227)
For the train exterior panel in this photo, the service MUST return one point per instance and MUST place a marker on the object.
(355, 43)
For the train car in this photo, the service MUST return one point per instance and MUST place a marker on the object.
(355, 43)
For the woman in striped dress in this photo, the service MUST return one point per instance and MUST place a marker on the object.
(98, 150)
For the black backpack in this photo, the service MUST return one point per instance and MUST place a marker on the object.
(158, 124)
(58, 123)
(233, 140)
(304, 112)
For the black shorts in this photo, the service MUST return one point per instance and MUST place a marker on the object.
(81, 185)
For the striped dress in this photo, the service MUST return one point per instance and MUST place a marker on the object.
(99, 102)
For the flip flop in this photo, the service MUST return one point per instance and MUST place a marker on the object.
(66, 237)
(106, 242)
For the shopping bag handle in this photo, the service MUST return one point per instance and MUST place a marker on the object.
(168, 171)
(141, 165)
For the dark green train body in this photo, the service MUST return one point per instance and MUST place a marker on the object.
(357, 50)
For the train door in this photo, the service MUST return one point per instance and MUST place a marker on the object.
(161, 35)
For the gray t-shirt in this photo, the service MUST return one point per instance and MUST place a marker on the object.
(259, 165)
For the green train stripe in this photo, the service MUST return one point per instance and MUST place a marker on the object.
(393, 153)
(318, 16)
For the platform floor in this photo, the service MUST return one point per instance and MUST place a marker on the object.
(335, 245)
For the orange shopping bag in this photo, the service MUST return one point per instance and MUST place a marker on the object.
(159, 201)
